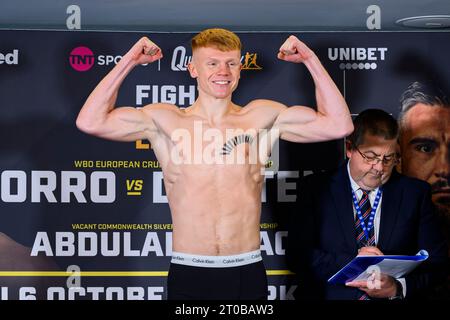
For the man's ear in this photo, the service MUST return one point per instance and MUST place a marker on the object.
(192, 70)
(348, 148)
(398, 166)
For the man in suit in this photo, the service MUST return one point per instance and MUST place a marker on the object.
(327, 231)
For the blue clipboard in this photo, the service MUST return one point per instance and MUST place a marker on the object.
(359, 265)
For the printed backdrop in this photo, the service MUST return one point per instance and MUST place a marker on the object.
(74, 202)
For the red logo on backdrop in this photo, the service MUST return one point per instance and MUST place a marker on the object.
(81, 58)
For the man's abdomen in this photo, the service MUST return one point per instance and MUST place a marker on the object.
(218, 216)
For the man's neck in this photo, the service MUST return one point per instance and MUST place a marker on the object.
(212, 109)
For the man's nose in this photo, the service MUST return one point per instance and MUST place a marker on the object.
(442, 166)
(224, 68)
(379, 166)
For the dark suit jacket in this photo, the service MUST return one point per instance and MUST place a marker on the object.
(321, 234)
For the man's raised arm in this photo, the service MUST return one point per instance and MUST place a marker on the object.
(98, 115)
(332, 119)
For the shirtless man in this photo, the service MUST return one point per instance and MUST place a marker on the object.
(215, 205)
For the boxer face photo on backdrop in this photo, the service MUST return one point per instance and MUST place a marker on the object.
(425, 147)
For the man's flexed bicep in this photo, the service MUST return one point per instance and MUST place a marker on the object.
(125, 124)
(304, 125)
(332, 119)
(295, 124)
(99, 117)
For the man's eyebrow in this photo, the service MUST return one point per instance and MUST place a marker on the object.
(423, 140)
(370, 151)
(377, 155)
(217, 59)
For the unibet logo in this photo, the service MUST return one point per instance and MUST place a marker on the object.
(10, 58)
(357, 58)
(81, 59)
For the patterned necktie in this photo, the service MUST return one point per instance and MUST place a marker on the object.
(361, 240)
(366, 209)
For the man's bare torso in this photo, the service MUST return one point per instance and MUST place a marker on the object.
(212, 178)
(215, 206)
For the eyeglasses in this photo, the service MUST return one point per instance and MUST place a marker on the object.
(387, 160)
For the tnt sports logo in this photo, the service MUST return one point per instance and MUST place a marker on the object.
(180, 60)
(357, 58)
(81, 59)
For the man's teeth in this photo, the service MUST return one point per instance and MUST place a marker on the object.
(221, 82)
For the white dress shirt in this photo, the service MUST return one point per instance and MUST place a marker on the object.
(376, 222)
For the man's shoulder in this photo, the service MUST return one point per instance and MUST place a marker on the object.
(324, 177)
(161, 111)
(162, 106)
(262, 113)
(264, 105)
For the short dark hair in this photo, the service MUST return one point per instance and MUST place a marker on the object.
(375, 122)
(421, 92)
